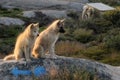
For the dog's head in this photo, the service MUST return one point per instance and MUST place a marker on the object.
(34, 28)
(60, 26)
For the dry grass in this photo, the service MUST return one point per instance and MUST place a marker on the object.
(68, 48)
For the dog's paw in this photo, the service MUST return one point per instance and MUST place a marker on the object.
(36, 56)
(54, 56)
(28, 60)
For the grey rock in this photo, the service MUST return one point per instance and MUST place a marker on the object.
(49, 13)
(55, 13)
(103, 71)
(10, 21)
(75, 6)
(43, 4)
(29, 14)
(80, 1)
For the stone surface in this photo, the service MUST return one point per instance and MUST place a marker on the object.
(55, 13)
(43, 4)
(29, 14)
(49, 13)
(103, 71)
(51, 8)
(10, 21)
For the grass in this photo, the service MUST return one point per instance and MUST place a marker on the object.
(8, 37)
(79, 50)
(68, 48)
(10, 12)
(83, 35)
(11, 31)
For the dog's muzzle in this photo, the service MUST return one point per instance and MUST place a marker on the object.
(61, 30)
(37, 34)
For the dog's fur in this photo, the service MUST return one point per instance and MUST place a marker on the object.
(24, 43)
(46, 40)
(88, 12)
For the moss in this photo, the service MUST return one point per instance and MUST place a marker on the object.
(13, 31)
(7, 45)
(83, 35)
(95, 53)
(8, 37)
(42, 28)
(112, 61)
(10, 13)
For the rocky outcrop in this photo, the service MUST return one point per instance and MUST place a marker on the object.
(50, 8)
(52, 66)
(44, 4)
(10, 21)
(55, 13)
(29, 14)
(49, 13)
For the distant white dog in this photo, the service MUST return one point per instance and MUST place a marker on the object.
(87, 12)
(46, 40)
(24, 43)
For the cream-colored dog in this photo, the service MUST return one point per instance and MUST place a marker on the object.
(45, 42)
(24, 43)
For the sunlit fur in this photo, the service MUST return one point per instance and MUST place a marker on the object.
(87, 12)
(45, 42)
(24, 43)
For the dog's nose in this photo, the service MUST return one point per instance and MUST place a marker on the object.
(37, 34)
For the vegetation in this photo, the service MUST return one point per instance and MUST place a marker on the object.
(96, 39)
(10, 13)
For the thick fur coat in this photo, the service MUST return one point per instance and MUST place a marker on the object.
(45, 42)
(24, 43)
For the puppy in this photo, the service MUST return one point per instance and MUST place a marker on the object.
(46, 40)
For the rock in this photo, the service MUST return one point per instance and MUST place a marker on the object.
(53, 66)
(29, 14)
(43, 4)
(80, 1)
(43, 19)
(49, 13)
(75, 6)
(55, 13)
(10, 21)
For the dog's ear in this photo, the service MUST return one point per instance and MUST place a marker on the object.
(31, 25)
(62, 21)
(58, 23)
(37, 24)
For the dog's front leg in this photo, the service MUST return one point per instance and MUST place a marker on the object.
(42, 52)
(52, 52)
(27, 54)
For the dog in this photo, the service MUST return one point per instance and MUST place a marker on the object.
(24, 43)
(45, 42)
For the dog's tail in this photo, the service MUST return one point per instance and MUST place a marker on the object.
(9, 57)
